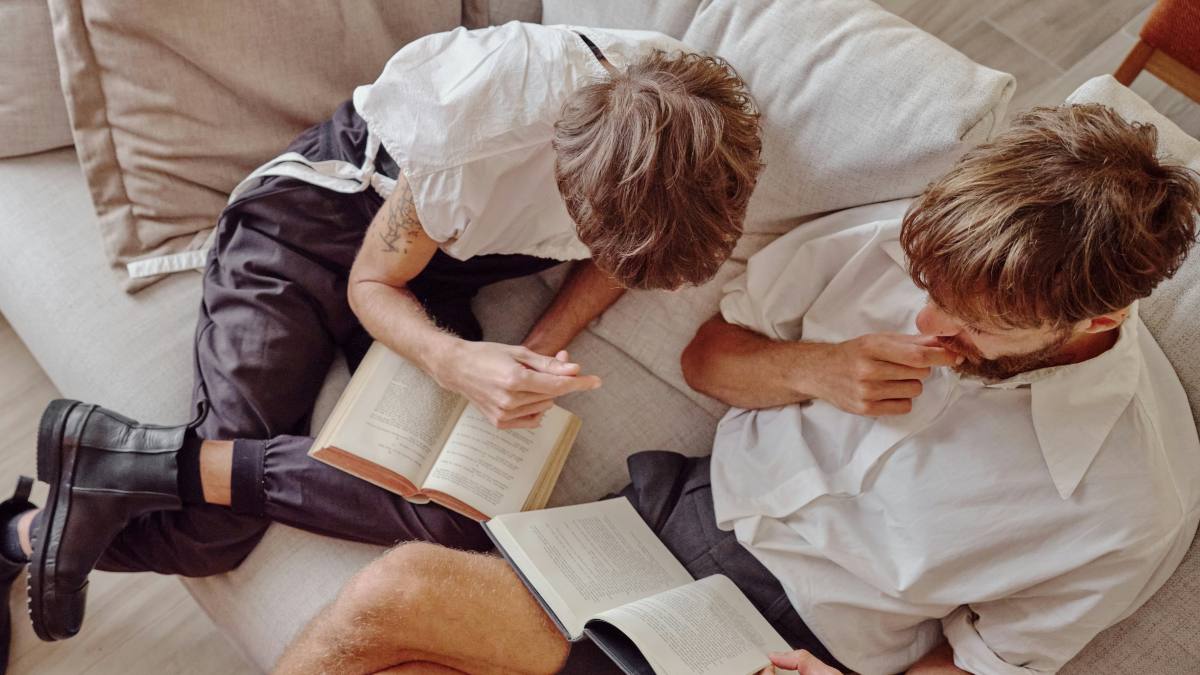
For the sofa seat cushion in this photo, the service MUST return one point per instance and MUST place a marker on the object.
(133, 353)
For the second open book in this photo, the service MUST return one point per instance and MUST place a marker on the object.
(598, 570)
(395, 427)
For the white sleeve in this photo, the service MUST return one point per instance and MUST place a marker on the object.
(441, 203)
(1045, 626)
(783, 280)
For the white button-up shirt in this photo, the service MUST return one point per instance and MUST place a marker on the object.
(469, 118)
(1019, 518)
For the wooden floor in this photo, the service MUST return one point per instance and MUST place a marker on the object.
(149, 623)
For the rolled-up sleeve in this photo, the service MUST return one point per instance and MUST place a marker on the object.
(1044, 627)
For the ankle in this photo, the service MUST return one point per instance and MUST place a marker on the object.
(216, 472)
(24, 526)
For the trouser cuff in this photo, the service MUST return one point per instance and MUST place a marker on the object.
(247, 489)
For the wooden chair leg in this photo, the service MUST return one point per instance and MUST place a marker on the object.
(1134, 62)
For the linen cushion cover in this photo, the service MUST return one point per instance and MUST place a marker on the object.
(172, 104)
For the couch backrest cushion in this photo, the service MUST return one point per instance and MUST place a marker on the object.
(665, 16)
(858, 105)
(173, 103)
(33, 115)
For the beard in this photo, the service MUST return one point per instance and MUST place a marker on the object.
(1003, 367)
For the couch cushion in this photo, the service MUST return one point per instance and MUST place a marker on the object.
(665, 16)
(33, 115)
(173, 104)
(858, 105)
(1163, 635)
(58, 291)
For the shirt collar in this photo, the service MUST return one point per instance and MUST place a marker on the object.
(1075, 406)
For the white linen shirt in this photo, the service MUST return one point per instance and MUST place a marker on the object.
(1018, 518)
(469, 115)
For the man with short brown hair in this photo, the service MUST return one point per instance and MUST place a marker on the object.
(476, 156)
(985, 495)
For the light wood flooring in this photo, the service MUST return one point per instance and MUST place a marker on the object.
(150, 624)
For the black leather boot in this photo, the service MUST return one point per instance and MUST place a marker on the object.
(104, 470)
(9, 569)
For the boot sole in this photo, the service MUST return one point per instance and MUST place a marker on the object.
(52, 457)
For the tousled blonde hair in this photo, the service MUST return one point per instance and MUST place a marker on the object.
(656, 165)
(1068, 215)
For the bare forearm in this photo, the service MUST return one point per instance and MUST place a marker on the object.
(394, 317)
(747, 370)
(939, 661)
(585, 295)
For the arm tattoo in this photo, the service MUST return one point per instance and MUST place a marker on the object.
(402, 226)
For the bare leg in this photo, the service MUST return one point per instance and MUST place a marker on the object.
(425, 603)
(216, 472)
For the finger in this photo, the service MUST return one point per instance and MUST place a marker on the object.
(918, 356)
(563, 356)
(527, 410)
(555, 385)
(803, 662)
(886, 370)
(888, 407)
(545, 364)
(531, 422)
(896, 389)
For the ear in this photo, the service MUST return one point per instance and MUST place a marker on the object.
(1099, 324)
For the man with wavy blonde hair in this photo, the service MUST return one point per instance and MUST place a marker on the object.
(954, 445)
(476, 156)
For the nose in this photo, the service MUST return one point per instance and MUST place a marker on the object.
(933, 321)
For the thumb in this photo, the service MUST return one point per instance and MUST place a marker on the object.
(562, 355)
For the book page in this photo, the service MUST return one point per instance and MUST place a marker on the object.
(490, 469)
(400, 417)
(707, 627)
(585, 559)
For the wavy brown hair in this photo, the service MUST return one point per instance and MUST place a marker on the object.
(656, 165)
(1068, 215)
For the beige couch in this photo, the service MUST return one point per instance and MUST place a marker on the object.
(860, 110)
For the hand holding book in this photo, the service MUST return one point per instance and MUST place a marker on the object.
(395, 427)
(598, 570)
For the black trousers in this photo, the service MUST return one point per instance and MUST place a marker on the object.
(273, 316)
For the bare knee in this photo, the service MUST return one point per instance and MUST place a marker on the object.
(393, 588)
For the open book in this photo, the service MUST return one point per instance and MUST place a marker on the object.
(395, 427)
(599, 571)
